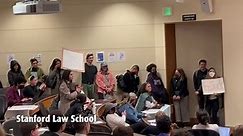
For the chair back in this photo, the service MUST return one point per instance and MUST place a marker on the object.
(47, 101)
(3, 105)
(100, 128)
(203, 132)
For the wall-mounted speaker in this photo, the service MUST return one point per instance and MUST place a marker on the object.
(207, 6)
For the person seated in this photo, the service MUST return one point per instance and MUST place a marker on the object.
(29, 129)
(35, 71)
(203, 119)
(145, 100)
(15, 93)
(105, 82)
(82, 128)
(238, 131)
(77, 108)
(14, 72)
(123, 131)
(132, 115)
(32, 90)
(112, 118)
(163, 123)
(55, 128)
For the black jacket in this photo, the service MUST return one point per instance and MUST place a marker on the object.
(12, 74)
(198, 76)
(179, 87)
(131, 82)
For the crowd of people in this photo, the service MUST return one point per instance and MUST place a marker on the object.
(73, 99)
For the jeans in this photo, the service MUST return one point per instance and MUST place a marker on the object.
(212, 107)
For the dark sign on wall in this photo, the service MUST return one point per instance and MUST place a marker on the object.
(189, 17)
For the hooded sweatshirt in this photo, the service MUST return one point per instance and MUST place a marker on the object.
(12, 74)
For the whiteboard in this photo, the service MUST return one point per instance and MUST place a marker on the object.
(213, 86)
(72, 60)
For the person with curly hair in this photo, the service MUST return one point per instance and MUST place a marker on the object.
(158, 89)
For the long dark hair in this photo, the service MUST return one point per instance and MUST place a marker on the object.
(65, 75)
(181, 71)
(142, 89)
(12, 64)
(54, 62)
(203, 117)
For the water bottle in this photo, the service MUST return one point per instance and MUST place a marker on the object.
(94, 108)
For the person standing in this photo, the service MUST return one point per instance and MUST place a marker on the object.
(35, 70)
(198, 76)
(105, 81)
(67, 94)
(212, 101)
(88, 77)
(180, 94)
(131, 80)
(14, 72)
(55, 76)
(158, 89)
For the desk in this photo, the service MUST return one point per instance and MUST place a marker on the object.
(27, 110)
(150, 113)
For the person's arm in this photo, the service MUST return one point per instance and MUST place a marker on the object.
(28, 74)
(149, 104)
(183, 88)
(1, 85)
(66, 92)
(196, 87)
(10, 79)
(117, 120)
(113, 83)
(100, 83)
(11, 99)
(172, 88)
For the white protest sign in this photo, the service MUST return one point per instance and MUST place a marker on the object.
(213, 86)
(72, 60)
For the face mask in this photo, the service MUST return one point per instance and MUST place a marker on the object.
(21, 87)
(211, 74)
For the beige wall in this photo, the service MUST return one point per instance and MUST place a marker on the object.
(86, 26)
(195, 41)
(129, 25)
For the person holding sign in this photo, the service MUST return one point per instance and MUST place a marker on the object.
(212, 101)
(198, 76)
(88, 77)
(180, 94)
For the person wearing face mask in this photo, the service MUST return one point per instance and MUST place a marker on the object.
(131, 79)
(15, 94)
(34, 70)
(14, 72)
(105, 81)
(159, 92)
(198, 76)
(180, 94)
(212, 101)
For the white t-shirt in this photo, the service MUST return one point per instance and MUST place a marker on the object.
(214, 127)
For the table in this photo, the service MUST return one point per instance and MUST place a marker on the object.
(150, 113)
(27, 110)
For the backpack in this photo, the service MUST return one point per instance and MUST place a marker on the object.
(120, 82)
